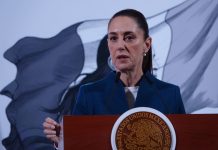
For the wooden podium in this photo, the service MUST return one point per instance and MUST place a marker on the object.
(193, 132)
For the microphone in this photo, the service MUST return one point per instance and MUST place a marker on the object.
(58, 130)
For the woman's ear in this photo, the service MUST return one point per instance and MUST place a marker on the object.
(148, 42)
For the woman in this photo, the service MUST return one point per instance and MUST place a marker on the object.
(132, 84)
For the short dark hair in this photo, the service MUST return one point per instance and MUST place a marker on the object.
(142, 23)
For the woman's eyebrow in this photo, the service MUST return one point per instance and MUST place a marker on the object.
(125, 33)
(128, 32)
(112, 33)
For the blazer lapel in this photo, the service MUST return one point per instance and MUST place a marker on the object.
(148, 94)
(115, 96)
(145, 94)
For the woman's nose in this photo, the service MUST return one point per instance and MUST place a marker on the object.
(120, 44)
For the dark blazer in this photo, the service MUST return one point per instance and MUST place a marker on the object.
(107, 97)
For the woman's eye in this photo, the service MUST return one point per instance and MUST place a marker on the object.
(113, 38)
(128, 38)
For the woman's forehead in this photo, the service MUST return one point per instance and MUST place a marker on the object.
(123, 24)
(122, 21)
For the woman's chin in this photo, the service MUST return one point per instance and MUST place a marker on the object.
(123, 68)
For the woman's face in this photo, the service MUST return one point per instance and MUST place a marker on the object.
(127, 44)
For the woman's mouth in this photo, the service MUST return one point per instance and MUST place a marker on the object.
(122, 57)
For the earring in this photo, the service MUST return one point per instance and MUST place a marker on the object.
(144, 54)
